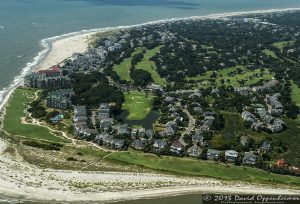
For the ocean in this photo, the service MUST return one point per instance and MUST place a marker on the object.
(25, 23)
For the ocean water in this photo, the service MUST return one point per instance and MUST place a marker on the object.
(24, 23)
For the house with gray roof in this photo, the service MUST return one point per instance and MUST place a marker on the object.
(265, 146)
(213, 154)
(100, 138)
(159, 145)
(249, 158)
(104, 112)
(197, 138)
(134, 132)
(277, 125)
(231, 155)
(249, 117)
(176, 147)
(80, 115)
(106, 124)
(194, 151)
(118, 143)
(138, 144)
(87, 132)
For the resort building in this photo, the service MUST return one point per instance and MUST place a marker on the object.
(60, 99)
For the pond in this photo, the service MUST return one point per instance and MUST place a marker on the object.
(146, 123)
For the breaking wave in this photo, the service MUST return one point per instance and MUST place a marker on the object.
(46, 44)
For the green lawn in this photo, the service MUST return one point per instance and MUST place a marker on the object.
(250, 77)
(194, 167)
(281, 45)
(296, 93)
(269, 53)
(149, 66)
(137, 105)
(14, 113)
(123, 69)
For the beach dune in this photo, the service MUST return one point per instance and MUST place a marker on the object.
(19, 178)
(64, 48)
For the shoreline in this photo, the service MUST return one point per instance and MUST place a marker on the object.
(203, 184)
(47, 43)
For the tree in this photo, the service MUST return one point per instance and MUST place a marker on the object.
(140, 77)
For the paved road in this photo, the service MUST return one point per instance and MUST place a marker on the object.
(190, 127)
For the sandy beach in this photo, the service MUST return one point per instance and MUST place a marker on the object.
(19, 178)
(64, 48)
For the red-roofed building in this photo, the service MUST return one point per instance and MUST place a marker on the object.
(281, 163)
(51, 72)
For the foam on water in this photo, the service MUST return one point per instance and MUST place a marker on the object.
(46, 44)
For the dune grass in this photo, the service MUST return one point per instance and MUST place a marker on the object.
(137, 104)
(194, 167)
(15, 111)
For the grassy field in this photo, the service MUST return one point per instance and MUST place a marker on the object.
(296, 93)
(250, 77)
(123, 69)
(193, 167)
(269, 53)
(137, 104)
(149, 66)
(281, 45)
(14, 113)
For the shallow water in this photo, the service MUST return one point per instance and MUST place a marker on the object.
(23, 23)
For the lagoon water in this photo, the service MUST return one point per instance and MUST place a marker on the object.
(24, 23)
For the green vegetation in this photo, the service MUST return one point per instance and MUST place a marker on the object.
(195, 167)
(138, 104)
(149, 66)
(234, 128)
(140, 77)
(291, 137)
(296, 93)
(43, 145)
(123, 69)
(281, 45)
(234, 76)
(94, 88)
(270, 53)
(14, 113)
(89, 151)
